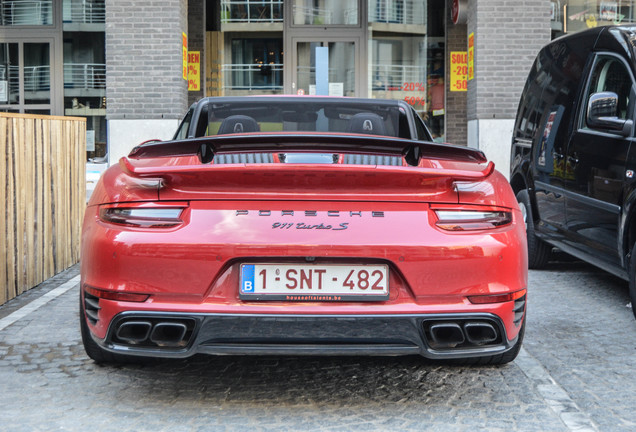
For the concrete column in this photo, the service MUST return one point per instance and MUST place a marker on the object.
(196, 42)
(145, 89)
(508, 36)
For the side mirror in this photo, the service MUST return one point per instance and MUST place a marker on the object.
(602, 110)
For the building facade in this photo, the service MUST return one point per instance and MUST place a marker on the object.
(133, 68)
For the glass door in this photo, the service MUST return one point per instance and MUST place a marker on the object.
(337, 64)
(26, 77)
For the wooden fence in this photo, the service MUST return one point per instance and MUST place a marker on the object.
(42, 198)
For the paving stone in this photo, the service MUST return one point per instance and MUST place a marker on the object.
(580, 336)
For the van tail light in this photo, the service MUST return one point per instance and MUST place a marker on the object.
(142, 217)
(471, 220)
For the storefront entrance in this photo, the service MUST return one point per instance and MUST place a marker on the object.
(339, 65)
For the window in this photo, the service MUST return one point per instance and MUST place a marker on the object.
(609, 74)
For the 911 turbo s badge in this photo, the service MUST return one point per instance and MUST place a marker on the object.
(285, 225)
(302, 225)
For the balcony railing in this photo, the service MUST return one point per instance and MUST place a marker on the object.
(85, 75)
(408, 12)
(392, 77)
(253, 76)
(84, 11)
(250, 11)
(26, 12)
(38, 78)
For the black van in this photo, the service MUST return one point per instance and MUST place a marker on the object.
(572, 164)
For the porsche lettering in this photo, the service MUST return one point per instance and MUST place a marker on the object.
(311, 213)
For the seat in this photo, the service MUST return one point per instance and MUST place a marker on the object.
(238, 124)
(367, 123)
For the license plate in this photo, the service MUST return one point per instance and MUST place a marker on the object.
(308, 282)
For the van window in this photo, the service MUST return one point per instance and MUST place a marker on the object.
(609, 74)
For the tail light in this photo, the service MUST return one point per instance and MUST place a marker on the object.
(146, 216)
(470, 220)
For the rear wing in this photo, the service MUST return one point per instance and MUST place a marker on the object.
(205, 148)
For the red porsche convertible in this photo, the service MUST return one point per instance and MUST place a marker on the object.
(303, 225)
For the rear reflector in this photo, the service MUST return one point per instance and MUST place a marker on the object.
(497, 298)
(470, 220)
(116, 296)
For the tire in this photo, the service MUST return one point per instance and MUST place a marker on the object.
(538, 251)
(632, 279)
(96, 352)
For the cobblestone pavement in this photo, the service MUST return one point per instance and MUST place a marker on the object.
(575, 372)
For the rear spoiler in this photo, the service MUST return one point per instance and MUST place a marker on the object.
(206, 147)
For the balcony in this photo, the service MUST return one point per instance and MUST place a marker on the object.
(87, 76)
(84, 11)
(26, 13)
(400, 12)
(249, 11)
(253, 77)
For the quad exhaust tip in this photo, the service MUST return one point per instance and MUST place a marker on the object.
(446, 335)
(171, 334)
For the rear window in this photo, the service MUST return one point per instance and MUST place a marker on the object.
(321, 116)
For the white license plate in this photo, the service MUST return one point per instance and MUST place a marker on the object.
(309, 282)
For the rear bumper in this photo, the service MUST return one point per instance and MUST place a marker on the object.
(144, 334)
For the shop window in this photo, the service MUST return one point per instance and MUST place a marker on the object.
(569, 16)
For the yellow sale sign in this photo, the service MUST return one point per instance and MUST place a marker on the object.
(458, 71)
(194, 70)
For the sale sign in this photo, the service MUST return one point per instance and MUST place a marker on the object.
(471, 56)
(194, 70)
(458, 71)
(184, 40)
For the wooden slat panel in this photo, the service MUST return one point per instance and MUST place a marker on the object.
(42, 187)
(3, 210)
(29, 204)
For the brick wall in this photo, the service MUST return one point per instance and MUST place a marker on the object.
(144, 59)
(508, 35)
(456, 126)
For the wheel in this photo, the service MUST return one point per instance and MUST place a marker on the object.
(538, 250)
(632, 279)
(97, 353)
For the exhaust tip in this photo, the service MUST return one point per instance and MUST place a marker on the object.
(446, 335)
(134, 332)
(480, 333)
(169, 334)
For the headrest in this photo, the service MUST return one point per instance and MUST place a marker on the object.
(367, 123)
(238, 124)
